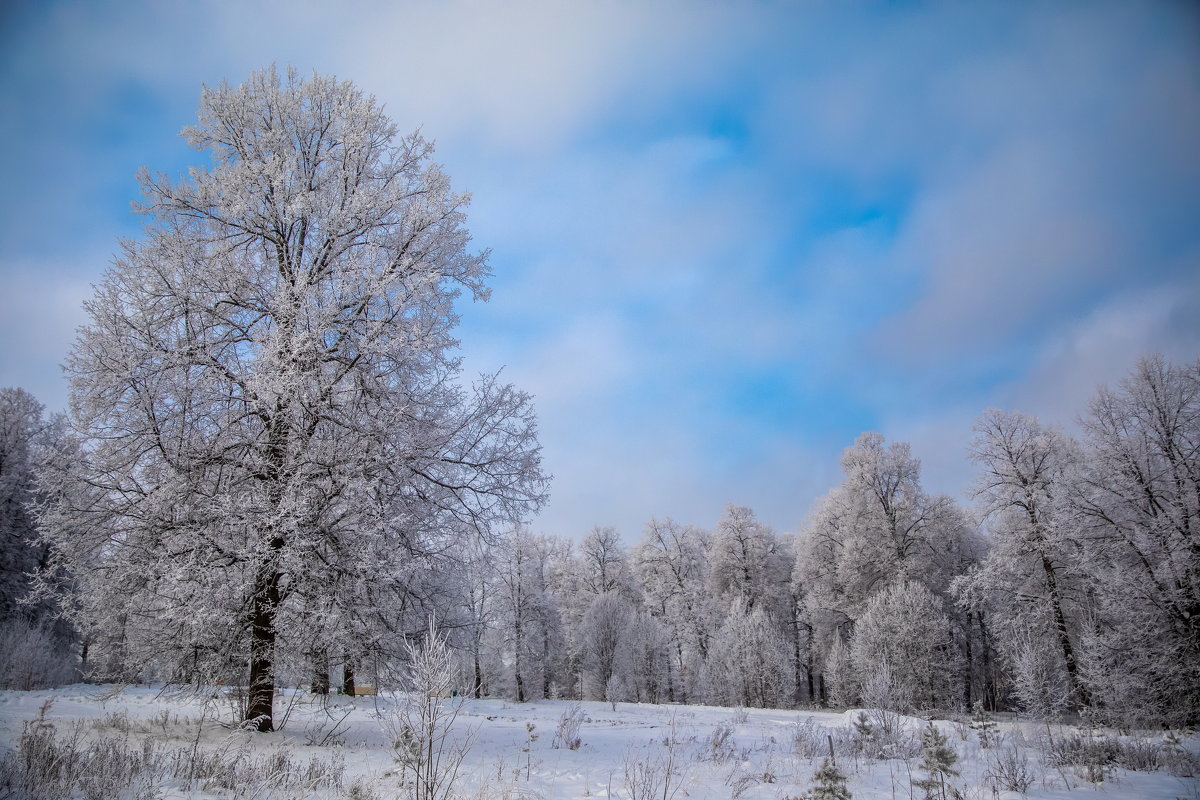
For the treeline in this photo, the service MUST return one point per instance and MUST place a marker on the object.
(1069, 583)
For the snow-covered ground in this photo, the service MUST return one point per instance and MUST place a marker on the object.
(719, 752)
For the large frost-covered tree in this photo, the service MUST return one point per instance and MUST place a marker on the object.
(1139, 499)
(270, 399)
(746, 562)
(903, 651)
(1032, 577)
(878, 528)
(672, 566)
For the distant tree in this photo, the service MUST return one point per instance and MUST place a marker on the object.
(906, 631)
(37, 648)
(671, 563)
(529, 621)
(269, 397)
(647, 659)
(1033, 577)
(1139, 499)
(746, 561)
(748, 662)
(603, 640)
(603, 565)
(478, 586)
(21, 424)
(878, 528)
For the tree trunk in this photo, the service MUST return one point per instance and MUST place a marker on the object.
(1082, 698)
(990, 701)
(320, 672)
(261, 706)
(520, 681)
(348, 677)
(969, 663)
(545, 662)
(678, 693)
(797, 660)
(810, 669)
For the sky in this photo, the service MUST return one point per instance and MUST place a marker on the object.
(727, 237)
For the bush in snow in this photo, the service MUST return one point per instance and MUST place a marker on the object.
(421, 731)
(567, 733)
(1010, 771)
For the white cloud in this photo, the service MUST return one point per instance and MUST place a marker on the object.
(1103, 347)
(40, 308)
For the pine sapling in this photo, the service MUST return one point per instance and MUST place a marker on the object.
(829, 783)
(983, 725)
(863, 727)
(937, 760)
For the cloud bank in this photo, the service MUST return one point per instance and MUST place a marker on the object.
(726, 238)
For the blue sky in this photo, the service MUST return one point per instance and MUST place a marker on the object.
(727, 237)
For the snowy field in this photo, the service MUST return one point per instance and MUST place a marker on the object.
(343, 748)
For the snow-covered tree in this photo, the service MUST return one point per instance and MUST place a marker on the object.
(527, 620)
(37, 646)
(672, 568)
(21, 423)
(1033, 576)
(937, 762)
(1140, 504)
(906, 632)
(269, 397)
(603, 565)
(647, 659)
(746, 562)
(878, 528)
(749, 661)
(603, 641)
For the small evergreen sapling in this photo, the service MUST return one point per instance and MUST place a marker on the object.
(983, 725)
(863, 727)
(937, 760)
(829, 783)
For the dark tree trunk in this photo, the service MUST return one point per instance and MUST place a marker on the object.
(1082, 698)
(518, 647)
(990, 700)
(969, 662)
(478, 693)
(348, 678)
(809, 669)
(264, 605)
(545, 662)
(320, 675)
(798, 662)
